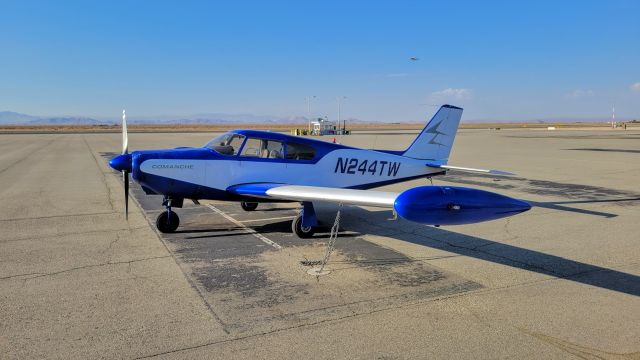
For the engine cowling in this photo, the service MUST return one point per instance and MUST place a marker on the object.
(454, 205)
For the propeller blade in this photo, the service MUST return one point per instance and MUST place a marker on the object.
(125, 137)
(125, 179)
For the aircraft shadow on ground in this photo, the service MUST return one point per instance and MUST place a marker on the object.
(281, 209)
(632, 151)
(574, 193)
(279, 227)
(228, 231)
(361, 221)
(559, 205)
(569, 191)
(376, 222)
(498, 253)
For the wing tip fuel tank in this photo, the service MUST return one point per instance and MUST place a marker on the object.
(453, 205)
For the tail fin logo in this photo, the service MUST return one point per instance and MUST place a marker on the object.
(434, 130)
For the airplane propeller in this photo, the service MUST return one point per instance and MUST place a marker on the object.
(125, 138)
(123, 164)
(125, 173)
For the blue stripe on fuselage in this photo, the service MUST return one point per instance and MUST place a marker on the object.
(183, 189)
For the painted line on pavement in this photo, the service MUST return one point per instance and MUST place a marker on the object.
(245, 227)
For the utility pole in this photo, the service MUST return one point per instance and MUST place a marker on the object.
(309, 98)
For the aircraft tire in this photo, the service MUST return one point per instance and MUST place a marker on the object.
(249, 206)
(303, 233)
(165, 226)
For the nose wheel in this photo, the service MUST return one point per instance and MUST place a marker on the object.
(167, 222)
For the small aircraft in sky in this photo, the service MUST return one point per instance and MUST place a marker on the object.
(250, 167)
(413, 58)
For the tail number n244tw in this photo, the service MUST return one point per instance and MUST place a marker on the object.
(375, 167)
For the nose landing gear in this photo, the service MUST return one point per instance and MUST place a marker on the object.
(168, 221)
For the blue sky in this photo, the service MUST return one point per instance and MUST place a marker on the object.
(502, 60)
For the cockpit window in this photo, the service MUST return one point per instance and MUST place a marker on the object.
(300, 152)
(262, 148)
(226, 144)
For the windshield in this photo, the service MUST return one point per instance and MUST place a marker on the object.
(226, 144)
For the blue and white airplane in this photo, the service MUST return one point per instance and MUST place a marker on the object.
(250, 167)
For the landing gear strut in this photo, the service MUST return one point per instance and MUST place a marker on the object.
(168, 221)
(304, 224)
(249, 206)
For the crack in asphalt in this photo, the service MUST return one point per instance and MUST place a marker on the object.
(25, 157)
(478, 249)
(39, 275)
(47, 237)
(111, 244)
(102, 174)
(416, 303)
(59, 216)
(580, 351)
(524, 265)
(191, 283)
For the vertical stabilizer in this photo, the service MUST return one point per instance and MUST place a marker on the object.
(436, 139)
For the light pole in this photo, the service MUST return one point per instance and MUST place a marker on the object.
(309, 98)
(613, 117)
(340, 98)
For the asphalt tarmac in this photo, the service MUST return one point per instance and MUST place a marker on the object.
(560, 281)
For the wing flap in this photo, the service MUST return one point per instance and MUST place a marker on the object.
(316, 193)
(253, 189)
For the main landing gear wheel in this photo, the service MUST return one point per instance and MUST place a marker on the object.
(249, 206)
(167, 222)
(298, 229)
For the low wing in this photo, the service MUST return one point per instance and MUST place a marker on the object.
(460, 168)
(315, 193)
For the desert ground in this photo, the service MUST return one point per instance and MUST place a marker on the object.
(560, 281)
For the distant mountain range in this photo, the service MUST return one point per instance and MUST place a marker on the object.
(546, 121)
(14, 118)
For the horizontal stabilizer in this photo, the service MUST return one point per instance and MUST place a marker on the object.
(460, 168)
